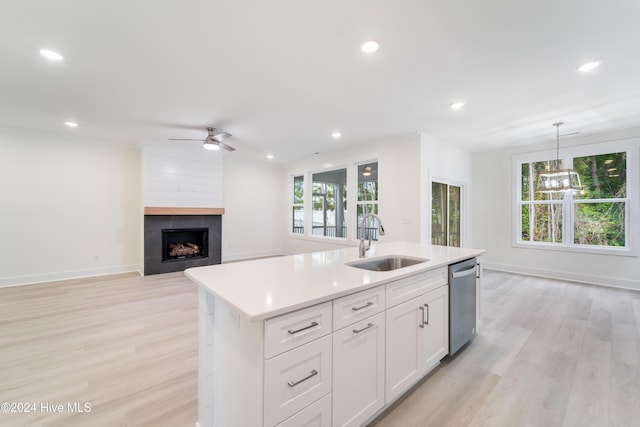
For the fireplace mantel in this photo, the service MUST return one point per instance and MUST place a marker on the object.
(154, 210)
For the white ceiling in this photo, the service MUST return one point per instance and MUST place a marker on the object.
(282, 75)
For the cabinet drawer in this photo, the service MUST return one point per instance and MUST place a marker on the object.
(291, 330)
(316, 415)
(296, 379)
(352, 308)
(411, 287)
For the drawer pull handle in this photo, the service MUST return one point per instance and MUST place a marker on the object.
(357, 331)
(295, 383)
(421, 324)
(369, 304)
(303, 329)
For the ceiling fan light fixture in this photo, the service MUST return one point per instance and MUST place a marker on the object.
(210, 145)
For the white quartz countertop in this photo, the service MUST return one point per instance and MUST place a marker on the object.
(264, 288)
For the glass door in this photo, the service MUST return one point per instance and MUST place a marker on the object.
(445, 214)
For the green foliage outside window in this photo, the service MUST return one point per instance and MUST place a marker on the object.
(597, 212)
(603, 177)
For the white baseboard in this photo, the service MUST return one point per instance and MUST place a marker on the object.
(67, 275)
(592, 279)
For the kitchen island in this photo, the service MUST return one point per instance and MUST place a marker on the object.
(308, 340)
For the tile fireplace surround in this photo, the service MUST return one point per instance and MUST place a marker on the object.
(157, 219)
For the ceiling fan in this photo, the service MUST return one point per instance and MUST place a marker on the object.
(213, 140)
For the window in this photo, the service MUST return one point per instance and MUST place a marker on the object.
(600, 209)
(298, 205)
(329, 200)
(595, 218)
(445, 214)
(541, 213)
(367, 199)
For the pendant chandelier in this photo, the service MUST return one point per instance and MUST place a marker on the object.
(556, 179)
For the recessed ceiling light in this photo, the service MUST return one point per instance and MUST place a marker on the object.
(588, 66)
(71, 124)
(336, 135)
(269, 156)
(370, 46)
(457, 105)
(50, 54)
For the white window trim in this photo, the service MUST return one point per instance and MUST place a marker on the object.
(632, 212)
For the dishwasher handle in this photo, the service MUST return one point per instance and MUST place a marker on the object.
(464, 273)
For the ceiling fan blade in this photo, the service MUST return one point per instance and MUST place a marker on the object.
(220, 136)
(182, 139)
(226, 147)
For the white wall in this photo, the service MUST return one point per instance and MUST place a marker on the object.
(182, 174)
(446, 163)
(492, 230)
(254, 207)
(70, 207)
(399, 183)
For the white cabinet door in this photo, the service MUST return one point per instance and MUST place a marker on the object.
(358, 371)
(403, 348)
(435, 312)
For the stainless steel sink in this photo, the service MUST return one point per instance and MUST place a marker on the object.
(387, 263)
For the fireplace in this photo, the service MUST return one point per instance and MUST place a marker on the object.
(183, 243)
(177, 242)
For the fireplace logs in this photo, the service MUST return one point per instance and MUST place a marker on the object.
(183, 250)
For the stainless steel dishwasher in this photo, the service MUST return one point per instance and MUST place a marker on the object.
(462, 303)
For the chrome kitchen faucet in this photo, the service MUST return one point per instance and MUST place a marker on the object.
(362, 250)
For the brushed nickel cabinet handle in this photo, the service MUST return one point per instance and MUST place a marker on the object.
(427, 322)
(311, 375)
(421, 324)
(357, 331)
(369, 304)
(303, 329)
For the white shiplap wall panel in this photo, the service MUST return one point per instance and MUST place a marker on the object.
(182, 175)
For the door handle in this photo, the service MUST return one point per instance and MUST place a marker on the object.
(464, 273)
(421, 324)
(427, 322)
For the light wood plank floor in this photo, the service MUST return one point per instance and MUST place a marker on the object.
(551, 353)
(127, 345)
